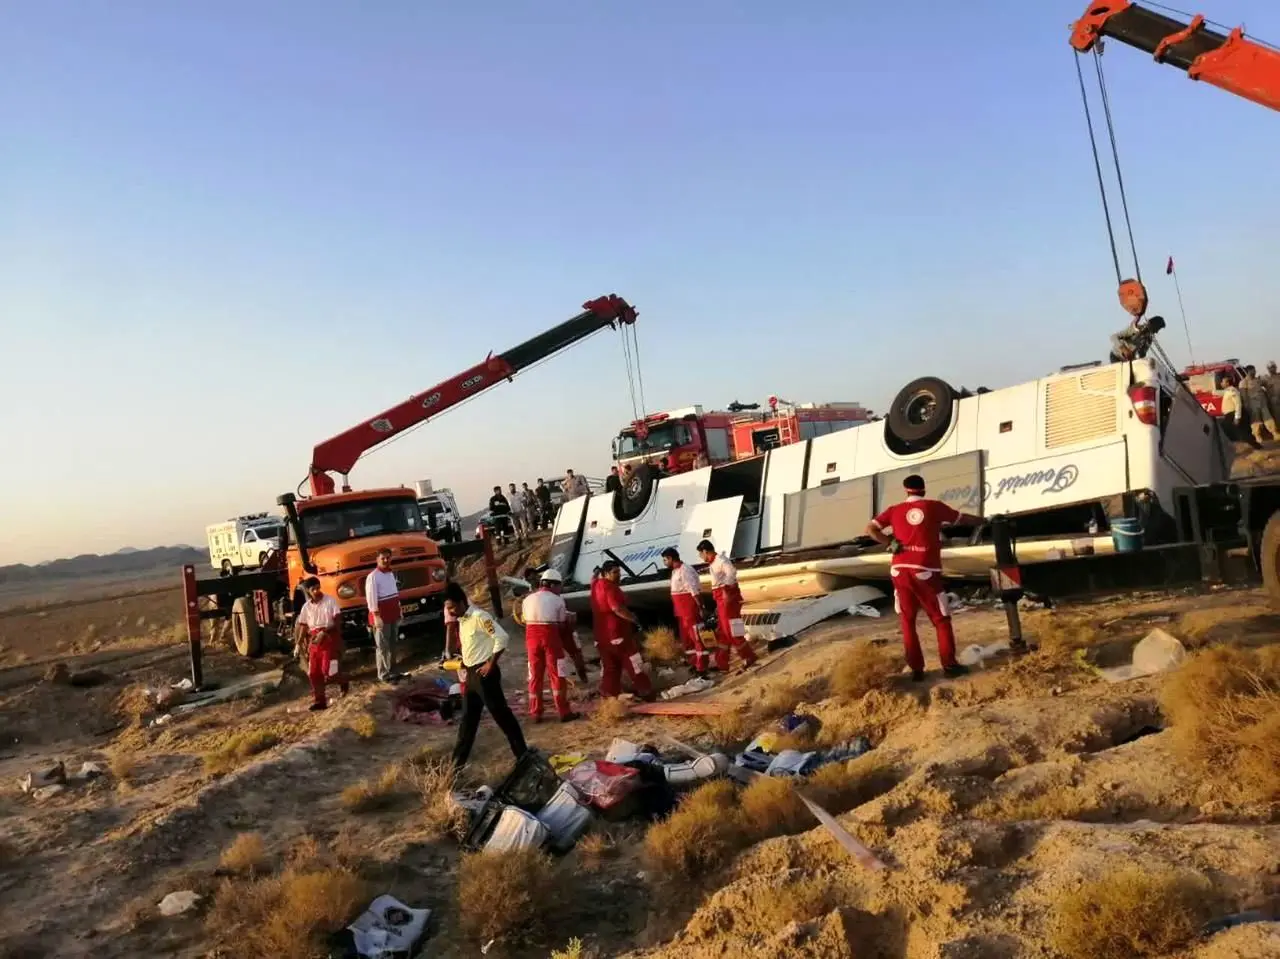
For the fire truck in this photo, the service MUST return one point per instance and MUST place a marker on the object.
(1202, 380)
(681, 440)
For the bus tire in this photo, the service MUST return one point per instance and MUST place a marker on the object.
(246, 632)
(1270, 558)
(921, 413)
(631, 498)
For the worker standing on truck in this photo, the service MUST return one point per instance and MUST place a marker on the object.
(731, 632)
(615, 633)
(1271, 382)
(1232, 410)
(612, 482)
(545, 615)
(1257, 405)
(912, 530)
(382, 595)
(686, 601)
(574, 485)
(482, 641)
(320, 624)
(519, 514)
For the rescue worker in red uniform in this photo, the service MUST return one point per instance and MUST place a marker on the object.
(320, 624)
(615, 636)
(912, 530)
(545, 616)
(686, 601)
(731, 632)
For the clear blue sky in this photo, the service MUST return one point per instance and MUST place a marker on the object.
(229, 229)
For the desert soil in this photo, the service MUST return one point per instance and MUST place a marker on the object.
(1004, 789)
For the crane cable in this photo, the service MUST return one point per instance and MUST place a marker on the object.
(635, 379)
(1097, 166)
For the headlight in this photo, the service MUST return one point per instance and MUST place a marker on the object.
(439, 574)
(346, 591)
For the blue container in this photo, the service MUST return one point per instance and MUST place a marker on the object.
(1126, 534)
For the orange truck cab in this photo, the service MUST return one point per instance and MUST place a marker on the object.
(337, 538)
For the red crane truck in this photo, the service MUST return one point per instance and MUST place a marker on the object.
(335, 534)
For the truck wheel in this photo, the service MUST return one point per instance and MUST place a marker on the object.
(1271, 558)
(262, 559)
(921, 413)
(226, 567)
(245, 631)
(631, 498)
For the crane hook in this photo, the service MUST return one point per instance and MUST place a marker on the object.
(1133, 298)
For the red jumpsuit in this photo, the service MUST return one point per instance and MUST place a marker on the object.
(686, 593)
(619, 653)
(917, 573)
(544, 615)
(324, 655)
(731, 632)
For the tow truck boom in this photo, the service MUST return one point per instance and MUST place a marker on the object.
(339, 453)
(1231, 62)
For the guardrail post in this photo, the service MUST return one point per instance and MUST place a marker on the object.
(491, 574)
(1006, 578)
(192, 602)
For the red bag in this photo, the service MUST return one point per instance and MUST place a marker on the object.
(603, 784)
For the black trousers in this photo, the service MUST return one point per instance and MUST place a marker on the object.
(486, 692)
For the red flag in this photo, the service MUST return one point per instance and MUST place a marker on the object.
(1169, 267)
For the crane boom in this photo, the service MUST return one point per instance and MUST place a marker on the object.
(1231, 62)
(339, 453)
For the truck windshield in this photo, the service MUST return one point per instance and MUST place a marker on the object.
(332, 524)
(662, 437)
(268, 532)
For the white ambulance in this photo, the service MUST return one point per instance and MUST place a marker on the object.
(244, 542)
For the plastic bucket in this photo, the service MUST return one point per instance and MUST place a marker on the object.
(1126, 534)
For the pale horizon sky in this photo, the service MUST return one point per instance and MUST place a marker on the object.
(231, 230)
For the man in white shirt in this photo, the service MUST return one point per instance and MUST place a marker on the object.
(483, 641)
(574, 485)
(382, 595)
(731, 632)
(686, 601)
(320, 625)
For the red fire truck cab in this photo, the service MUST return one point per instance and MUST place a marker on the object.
(1202, 379)
(684, 439)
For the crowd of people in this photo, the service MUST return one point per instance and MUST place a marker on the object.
(1249, 409)
(518, 513)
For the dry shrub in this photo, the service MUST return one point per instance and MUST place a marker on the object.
(863, 668)
(1130, 912)
(572, 950)
(133, 705)
(500, 894)
(1224, 704)
(1060, 636)
(1053, 803)
(761, 910)
(123, 764)
(247, 854)
(731, 729)
(872, 716)
(238, 747)
(287, 916)
(363, 725)
(661, 645)
(703, 834)
(374, 795)
(839, 787)
(593, 849)
(610, 712)
(435, 781)
(778, 699)
(771, 807)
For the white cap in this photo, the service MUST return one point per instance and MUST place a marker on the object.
(551, 576)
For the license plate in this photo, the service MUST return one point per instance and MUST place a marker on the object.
(407, 608)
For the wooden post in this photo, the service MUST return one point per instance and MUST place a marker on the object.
(192, 601)
(491, 573)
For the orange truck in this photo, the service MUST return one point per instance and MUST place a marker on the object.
(336, 533)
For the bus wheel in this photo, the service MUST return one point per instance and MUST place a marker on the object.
(631, 498)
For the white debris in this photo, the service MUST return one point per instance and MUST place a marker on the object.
(863, 609)
(47, 792)
(48, 776)
(176, 903)
(1157, 652)
(388, 928)
(89, 770)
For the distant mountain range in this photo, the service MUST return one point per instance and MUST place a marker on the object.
(121, 562)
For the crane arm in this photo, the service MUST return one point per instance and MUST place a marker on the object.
(339, 453)
(1231, 62)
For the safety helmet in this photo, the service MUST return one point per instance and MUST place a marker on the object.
(551, 576)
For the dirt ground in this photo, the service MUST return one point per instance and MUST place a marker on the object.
(998, 795)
